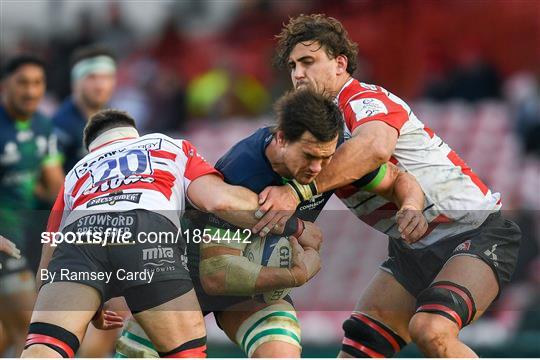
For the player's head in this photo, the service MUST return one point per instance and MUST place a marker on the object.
(317, 50)
(93, 75)
(309, 124)
(106, 126)
(23, 85)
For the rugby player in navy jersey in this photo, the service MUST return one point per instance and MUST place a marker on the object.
(29, 170)
(93, 78)
(302, 143)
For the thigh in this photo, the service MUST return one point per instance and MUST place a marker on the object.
(173, 323)
(386, 300)
(475, 275)
(263, 330)
(68, 305)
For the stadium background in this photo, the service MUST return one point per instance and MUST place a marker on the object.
(202, 70)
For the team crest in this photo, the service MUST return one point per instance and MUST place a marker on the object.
(464, 246)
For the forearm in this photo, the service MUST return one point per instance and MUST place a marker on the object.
(407, 192)
(371, 146)
(236, 275)
(234, 204)
(237, 206)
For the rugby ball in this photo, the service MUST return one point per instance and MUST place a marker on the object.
(271, 251)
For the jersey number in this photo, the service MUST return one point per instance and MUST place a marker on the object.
(122, 164)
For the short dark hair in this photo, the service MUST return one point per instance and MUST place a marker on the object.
(327, 31)
(105, 120)
(89, 52)
(306, 110)
(17, 61)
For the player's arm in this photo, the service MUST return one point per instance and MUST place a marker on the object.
(234, 204)
(9, 248)
(224, 271)
(52, 173)
(374, 138)
(207, 191)
(52, 178)
(403, 190)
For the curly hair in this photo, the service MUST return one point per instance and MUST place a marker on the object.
(327, 31)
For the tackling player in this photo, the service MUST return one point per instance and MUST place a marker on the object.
(302, 143)
(93, 78)
(428, 291)
(29, 169)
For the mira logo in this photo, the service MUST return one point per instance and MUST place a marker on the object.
(159, 253)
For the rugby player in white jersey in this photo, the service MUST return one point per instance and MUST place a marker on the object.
(425, 292)
(128, 185)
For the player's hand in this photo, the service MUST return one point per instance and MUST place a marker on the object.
(298, 269)
(9, 248)
(412, 224)
(311, 236)
(107, 320)
(305, 263)
(278, 204)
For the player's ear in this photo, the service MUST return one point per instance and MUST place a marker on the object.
(280, 138)
(342, 63)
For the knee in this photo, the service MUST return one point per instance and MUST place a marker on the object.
(276, 349)
(431, 331)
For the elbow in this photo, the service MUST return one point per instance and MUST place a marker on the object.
(217, 204)
(381, 152)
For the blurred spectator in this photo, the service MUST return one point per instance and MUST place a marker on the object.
(63, 46)
(471, 77)
(29, 170)
(93, 77)
(168, 102)
(522, 91)
(225, 91)
(117, 34)
(475, 78)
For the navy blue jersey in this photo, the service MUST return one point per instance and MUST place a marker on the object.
(245, 164)
(25, 146)
(69, 123)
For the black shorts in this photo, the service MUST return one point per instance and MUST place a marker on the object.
(147, 274)
(496, 242)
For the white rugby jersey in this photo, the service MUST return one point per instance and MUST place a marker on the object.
(456, 199)
(150, 172)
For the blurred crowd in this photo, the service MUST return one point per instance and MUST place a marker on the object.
(201, 68)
